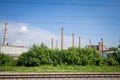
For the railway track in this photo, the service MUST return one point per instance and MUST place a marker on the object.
(57, 75)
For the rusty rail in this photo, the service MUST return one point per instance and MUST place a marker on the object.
(23, 76)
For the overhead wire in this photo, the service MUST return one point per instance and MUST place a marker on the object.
(82, 23)
(34, 15)
(72, 4)
(65, 16)
(67, 4)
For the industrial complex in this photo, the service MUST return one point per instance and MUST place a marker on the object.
(16, 51)
(11, 50)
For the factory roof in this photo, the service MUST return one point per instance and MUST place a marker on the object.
(13, 46)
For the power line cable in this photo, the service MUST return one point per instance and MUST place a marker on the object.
(68, 4)
(63, 23)
(36, 15)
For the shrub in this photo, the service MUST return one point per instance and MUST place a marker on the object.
(6, 60)
(42, 55)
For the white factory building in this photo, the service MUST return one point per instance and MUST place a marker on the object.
(11, 50)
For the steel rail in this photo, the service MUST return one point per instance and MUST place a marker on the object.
(23, 76)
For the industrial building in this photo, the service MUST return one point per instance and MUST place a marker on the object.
(11, 50)
(101, 47)
(16, 51)
(98, 47)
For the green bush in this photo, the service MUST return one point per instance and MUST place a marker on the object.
(36, 56)
(112, 62)
(28, 59)
(42, 55)
(6, 60)
(114, 58)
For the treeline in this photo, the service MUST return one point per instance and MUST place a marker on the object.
(42, 55)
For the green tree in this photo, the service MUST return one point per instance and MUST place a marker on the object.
(119, 46)
(112, 61)
(37, 55)
(6, 60)
(73, 56)
(28, 59)
(116, 56)
(42, 55)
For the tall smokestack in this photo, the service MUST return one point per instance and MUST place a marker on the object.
(100, 47)
(79, 42)
(90, 43)
(62, 38)
(72, 39)
(102, 43)
(5, 35)
(52, 44)
(56, 44)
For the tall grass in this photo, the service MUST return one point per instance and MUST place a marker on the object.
(49, 68)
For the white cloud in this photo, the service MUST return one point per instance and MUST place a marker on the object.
(21, 43)
(23, 29)
(35, 35)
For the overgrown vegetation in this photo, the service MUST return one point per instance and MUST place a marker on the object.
(61, 68)
(6, 60)
(114, 58)
(43, 59)
(42, 55)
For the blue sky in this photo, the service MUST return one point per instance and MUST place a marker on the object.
(37, 21)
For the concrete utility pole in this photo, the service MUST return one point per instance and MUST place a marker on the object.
(5, 40)
(52, 43)
(62, 38)
(90, 43)
(72, 39)
(79, 42)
